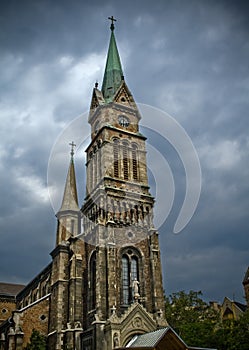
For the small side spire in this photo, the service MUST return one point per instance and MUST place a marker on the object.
(70, 197)
(69, 215)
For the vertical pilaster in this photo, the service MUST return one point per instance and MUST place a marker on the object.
(59, 295)
(101, 283)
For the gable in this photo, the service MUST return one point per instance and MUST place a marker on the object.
(136, 320)
(124, 96)
(171, 341)
(232, 309)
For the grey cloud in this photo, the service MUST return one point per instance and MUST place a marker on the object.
(188, 58)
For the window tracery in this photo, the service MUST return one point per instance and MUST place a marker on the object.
(130, 273)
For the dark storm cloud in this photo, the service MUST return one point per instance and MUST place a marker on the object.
(187, 58)
(42, 28)
(27, 232)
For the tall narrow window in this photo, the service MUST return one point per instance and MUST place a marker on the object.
(130, 273)
(125, 160)
(116, 157)
(125, 279)
(92, 286)
(134, 269)
(134, 162)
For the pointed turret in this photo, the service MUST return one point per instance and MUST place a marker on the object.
(70, 197)
(69, 213)
(113, 75)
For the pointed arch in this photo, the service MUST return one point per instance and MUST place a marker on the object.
(131, 263)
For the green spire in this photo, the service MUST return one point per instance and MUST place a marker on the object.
(113, 70)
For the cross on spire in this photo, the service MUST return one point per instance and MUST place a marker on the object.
(72, 144)
(112, 24)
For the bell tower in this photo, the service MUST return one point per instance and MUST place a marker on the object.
(123, 277)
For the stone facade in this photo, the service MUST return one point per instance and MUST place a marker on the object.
(104, 285)
(123, 267)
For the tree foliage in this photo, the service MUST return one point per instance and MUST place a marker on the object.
(37, 341)
(233, 334)
(200, 325)
(191, 318)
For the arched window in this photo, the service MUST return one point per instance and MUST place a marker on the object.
(125, 160)
(130, 273)
(92, 286)
(134, 162)
(116, 157)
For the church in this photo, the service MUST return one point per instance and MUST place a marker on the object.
(103, 288)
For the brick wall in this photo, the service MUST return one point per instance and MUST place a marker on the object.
(35, 317)
(6, 308)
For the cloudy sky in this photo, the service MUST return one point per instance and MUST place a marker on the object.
(188, 58)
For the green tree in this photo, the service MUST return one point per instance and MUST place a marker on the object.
(242, 331)
(233, 334)
(37, 341)
(192, 318)
(200, 325)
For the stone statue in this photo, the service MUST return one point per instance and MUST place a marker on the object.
(116, 340)
(135, 286)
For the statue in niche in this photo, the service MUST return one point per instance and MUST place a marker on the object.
(115, 340)
(135, 286)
